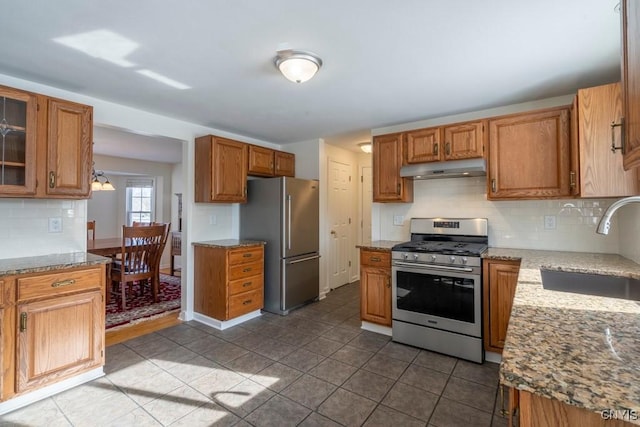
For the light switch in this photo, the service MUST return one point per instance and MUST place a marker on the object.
(55, 225)
(549, 222)
(398, 219)
(213, 219)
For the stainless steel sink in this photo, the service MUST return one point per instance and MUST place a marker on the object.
(591, 284)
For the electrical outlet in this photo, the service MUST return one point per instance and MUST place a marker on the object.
(398, 219)
(55, 225)
(213, 219)
(549, 222)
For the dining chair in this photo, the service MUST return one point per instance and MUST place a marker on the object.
(139, 259)
(176, 250)
(91, 229)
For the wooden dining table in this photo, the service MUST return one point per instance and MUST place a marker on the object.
(107, 247)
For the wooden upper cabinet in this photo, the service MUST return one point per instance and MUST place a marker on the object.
(451, 142)
(464, 141)
(18, 139)
(69, 147)
(423, 145)
(220, 170)
(260, 161)
(285, 164)
(387, 157)
(630, 15)
(529, 155)
(597, 170)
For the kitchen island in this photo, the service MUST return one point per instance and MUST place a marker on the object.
(580, 350)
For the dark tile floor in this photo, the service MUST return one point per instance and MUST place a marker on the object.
(315, 367)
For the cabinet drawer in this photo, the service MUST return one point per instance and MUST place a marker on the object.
(247, 284)
(245, 270)
(375, 258)
(244, 255)
(244, 303)
(59, 283)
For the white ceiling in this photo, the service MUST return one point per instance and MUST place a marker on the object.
(384, 62)
(122, 143)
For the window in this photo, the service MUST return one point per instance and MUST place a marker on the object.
(140, 200)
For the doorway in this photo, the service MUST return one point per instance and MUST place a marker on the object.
(339, 203)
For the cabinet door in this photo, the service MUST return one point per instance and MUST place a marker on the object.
(388, 186)
(58, 338)
(375, 295)
(285, 164)
(630, 15)
(423, 145)
(17, 142)
(601, 172)
(69, 151)
(529, 155)
(229, 173)
(501, 279)
(464, 141)
(260, 161)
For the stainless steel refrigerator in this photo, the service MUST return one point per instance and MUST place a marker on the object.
(284, 212)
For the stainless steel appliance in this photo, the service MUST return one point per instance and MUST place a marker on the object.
(437, 286)
(284, 212)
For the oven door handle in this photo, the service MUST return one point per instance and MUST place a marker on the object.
(433, 267)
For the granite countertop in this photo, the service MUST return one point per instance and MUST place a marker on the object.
(229, 243)
(380, 245)
(557, 343)
(37, 264)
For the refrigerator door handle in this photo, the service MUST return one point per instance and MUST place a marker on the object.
(288, 221)
(305, 259)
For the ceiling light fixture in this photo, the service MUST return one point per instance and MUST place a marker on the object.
(366, 147)
(297, 65)
(96, 181)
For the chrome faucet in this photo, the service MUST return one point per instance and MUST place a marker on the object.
(605, 221)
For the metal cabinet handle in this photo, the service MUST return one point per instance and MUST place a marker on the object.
(494, 186)
(613, 136)
(399, 188)
(447, 148)
(435, 149)
(245, 284)
(62, 283)
(247, 302)
(249, 255)
(375, 259)
(52, 179)
(246, 270)
(23, 322)
(572, 179)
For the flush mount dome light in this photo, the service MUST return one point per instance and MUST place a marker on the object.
(296, 65)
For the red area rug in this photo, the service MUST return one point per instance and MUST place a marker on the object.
(143, 307)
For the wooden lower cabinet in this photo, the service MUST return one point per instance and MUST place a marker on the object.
(229, 281)
(53, 327)
(500, 278)
(58, 338)
(531, 410)
(375, 286)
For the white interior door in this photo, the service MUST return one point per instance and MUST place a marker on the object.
(339, 214)
(365, 204)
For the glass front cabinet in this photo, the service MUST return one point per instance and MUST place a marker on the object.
(17, 142)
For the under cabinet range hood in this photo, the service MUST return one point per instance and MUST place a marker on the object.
(448, 169)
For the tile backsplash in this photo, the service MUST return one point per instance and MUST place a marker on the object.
(24, 227)
(512, 224)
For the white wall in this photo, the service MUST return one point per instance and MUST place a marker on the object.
(627, 219)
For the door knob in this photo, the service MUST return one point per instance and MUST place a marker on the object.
(333, 232)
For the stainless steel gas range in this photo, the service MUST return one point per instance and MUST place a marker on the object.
(437, 286)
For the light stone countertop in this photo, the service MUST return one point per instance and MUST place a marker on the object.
(229, 243)
(557, 344)
(38, 264)
(380, 245)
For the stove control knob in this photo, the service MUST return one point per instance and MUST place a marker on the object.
(452, 259)
(464, 260)
(405, 256)
(433, 258)
(415, 257)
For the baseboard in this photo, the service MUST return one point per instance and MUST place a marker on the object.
(225, 324)
(48, 391)
(492, 357)
(378, 329)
